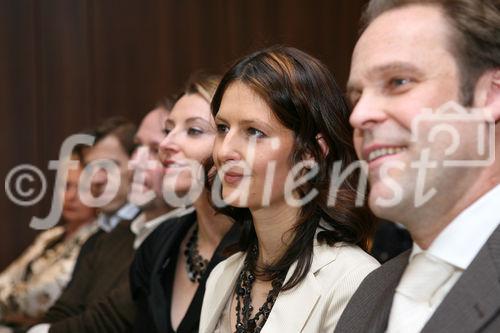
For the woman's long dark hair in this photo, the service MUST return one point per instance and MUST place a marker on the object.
(304, 97)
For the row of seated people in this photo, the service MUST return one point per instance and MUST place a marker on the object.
(236, 250)
(35, 287)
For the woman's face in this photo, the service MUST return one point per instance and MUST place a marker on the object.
(252, 150)
(189, 140)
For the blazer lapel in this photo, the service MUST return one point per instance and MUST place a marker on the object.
(475, 298)
(223, 288)
(293, 307)
(157, 300)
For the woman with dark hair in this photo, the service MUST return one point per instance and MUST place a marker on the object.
(170, 268)
(282, 127)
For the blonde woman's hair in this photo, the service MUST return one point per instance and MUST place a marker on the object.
(202, 84)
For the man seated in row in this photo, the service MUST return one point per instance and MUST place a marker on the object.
(425, 86)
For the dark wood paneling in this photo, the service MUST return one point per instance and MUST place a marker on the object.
(65, 64)
(18, 105)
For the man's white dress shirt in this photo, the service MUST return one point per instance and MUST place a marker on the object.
(448, 257)
(142, 228)
(126, 212)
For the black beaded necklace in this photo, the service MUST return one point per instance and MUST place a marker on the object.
(245, 324)
(196, 265)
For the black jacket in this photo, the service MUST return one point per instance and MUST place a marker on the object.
(148, 277)
(94, 300)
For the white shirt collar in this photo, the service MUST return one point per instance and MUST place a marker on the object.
(460, 242)
(126, 212)
(142, 228)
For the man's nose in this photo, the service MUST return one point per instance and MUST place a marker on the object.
(368, 111)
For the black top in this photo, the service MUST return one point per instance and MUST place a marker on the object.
(152, 276)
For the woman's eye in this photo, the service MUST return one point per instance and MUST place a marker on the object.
(222, 129)
(194, 131)
(255, 132)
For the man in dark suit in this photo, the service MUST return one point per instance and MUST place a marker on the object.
(104, 258)
(425, 90)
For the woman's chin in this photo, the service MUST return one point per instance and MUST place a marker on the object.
(230, 199)
(240, 201)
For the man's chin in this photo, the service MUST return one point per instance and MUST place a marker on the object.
(400, 210)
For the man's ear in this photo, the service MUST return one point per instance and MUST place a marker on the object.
(488, 93)
(494, 97)
(322, 143)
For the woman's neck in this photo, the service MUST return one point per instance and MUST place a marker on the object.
(211, 226)
(273, 226)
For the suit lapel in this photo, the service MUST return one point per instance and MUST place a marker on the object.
(381, 312)
(381, 307)
(475, 298)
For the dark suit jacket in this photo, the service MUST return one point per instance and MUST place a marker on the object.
(472, 305)
(149, 285)
(101, 268)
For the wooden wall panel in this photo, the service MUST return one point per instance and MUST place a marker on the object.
(18, 105)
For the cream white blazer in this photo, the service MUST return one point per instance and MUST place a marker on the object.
(314, 305)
